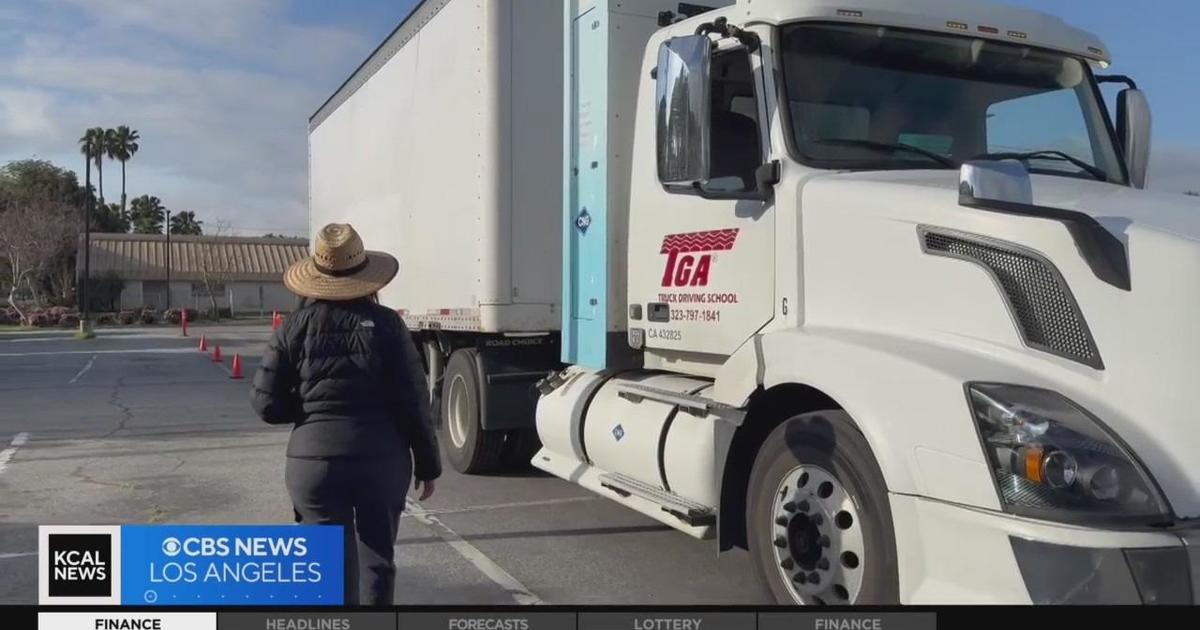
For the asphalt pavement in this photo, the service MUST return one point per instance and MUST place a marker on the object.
(137, 426)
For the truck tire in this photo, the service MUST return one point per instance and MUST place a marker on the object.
(818, 519)
(470, 449)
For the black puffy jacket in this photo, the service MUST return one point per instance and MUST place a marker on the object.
(348, 376)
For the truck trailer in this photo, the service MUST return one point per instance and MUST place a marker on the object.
(871, 288)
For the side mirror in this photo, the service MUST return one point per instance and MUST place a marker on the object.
(1133, 131)
(682, 105)
(1006, 181)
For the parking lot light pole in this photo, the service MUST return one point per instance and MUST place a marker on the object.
(85, 319)
(168, 260)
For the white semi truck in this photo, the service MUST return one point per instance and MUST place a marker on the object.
(871, 288)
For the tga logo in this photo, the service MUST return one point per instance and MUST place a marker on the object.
(80, 565)
(690, 256)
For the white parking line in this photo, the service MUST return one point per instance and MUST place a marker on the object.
(6, 455)
(493, 571)
(70, 352)
(83, 371)
(508, 506)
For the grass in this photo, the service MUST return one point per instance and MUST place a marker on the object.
(81, 335)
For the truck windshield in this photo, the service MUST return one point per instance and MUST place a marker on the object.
(873, 98)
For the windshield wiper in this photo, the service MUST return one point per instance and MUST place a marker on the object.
(1094, 171)
(889, 146)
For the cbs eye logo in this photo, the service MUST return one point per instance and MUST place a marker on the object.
(171, 547)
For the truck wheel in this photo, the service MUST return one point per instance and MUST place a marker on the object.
(470, 449)
(819, 523)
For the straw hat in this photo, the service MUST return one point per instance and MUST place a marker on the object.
(340, 268)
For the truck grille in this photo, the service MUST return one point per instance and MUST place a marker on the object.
(1045, 311)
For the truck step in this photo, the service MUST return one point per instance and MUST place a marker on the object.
(691, 403)
(686, 510)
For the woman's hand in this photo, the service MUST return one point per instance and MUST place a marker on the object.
(425, 487)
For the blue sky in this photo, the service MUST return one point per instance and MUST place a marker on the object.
(221, 89)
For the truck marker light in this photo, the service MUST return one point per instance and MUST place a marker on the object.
(849, 13)
(962, 26)
(1033, 464)
(1018, 35)
(1095, 50)
(990, 30)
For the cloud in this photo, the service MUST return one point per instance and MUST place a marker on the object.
(25, 114)
(220, 91)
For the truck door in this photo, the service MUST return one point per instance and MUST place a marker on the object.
(702, 259)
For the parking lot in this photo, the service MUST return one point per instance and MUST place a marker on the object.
(137, 426)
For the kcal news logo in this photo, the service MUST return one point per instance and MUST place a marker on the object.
(79, 565)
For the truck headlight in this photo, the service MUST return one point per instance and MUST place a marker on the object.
(1053, 460)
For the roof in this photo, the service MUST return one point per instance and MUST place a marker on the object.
(232, 258)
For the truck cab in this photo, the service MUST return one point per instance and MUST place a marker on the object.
(874, 290)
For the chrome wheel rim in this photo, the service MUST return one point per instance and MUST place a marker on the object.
(817, 538)
(458, 411)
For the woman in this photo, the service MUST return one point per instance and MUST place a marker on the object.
(344, 371)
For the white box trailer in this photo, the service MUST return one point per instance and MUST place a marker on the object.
(444, 149)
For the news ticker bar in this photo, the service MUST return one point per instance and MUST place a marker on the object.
(486, 621)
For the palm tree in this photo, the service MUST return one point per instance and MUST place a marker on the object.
(147, 214)
(92, 144)
(122, 147)
(185, 223)
(95, 144)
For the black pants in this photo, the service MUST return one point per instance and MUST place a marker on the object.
(366, 497)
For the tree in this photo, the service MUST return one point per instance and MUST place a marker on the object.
(147, 215)
(41, 184)
(215, 267)
(111, 219)
(32, 236)
(122, 147)
(94, 145)
(185, 223)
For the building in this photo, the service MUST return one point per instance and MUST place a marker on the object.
(245, 273)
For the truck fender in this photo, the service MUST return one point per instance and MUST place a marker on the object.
(906, 397)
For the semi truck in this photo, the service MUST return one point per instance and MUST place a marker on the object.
(873, 289)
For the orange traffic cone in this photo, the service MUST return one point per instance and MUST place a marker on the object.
(216, 354)
(235, 371)
(203, 344)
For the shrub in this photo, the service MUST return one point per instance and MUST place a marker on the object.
(174, 315)
(8, 317)
(148, 316)
(40, 320)
(106, 319)
(126, 318)
(104, 291)
(69, 320)
(56, 312)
